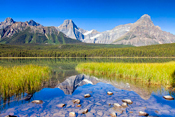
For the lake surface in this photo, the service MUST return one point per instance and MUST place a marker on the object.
(67, 84)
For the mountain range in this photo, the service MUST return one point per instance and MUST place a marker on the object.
(142, 32)
(12, 32)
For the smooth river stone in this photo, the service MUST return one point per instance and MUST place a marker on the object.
(72, 114)
(109, 93)
(79, 105)
(168, 97)
(87, 95)
(113, 114)
(124, 105)
(77, 101)
(85, 111)
(117, 105)
(37, 101)
(60, 105)
(128, 101)
(141, 113)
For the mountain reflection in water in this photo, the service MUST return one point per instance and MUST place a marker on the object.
(76, 86)
(73, 82)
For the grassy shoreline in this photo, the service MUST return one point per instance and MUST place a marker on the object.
(149, 73)
(76, 57)
(20, 79)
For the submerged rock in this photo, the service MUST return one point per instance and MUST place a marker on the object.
(72, 114)
(28, 97)
(79, 105)
(60, 105)
(113, 114)
(109, 93)
(85, 111)
(156, 111)
(124, 105)
(128, 101)
(118, 110)
(141, 113)
(77, 101)
(87, 95)
(37, 101)
(168, 97)
(11, 116)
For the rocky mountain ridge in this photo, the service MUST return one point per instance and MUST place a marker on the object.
(8, 21)
(12, 32)
(142, 32)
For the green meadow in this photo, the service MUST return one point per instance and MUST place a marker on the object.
(19, 79)
(149, 73)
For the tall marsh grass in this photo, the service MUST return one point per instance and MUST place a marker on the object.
(152, 73)
(19, 79)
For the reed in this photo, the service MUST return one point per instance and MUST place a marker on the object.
(19, 79)
(152, 73)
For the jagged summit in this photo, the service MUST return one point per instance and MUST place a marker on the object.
(69, 23)
(145, 16)
(71, 30)
(145, 20)
(144, 32)
(33, 23)
(9, 20)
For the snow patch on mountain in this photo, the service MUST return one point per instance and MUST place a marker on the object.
(88, 32)
(95, 36)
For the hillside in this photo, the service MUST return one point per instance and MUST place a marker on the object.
(62, 47)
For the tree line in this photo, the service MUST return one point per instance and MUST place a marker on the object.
(166, 50)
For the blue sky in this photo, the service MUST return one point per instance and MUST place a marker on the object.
(91, 14)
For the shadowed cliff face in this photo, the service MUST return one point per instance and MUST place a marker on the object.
(73, 82)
